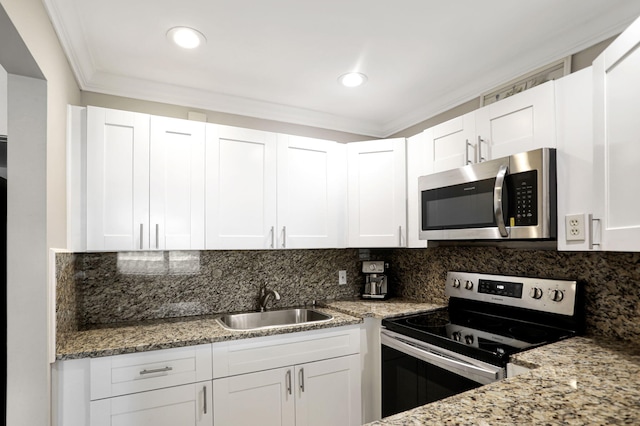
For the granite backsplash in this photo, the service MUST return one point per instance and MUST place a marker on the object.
(104, 288)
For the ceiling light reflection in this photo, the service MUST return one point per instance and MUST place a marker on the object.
(352, 79)
(185, 37)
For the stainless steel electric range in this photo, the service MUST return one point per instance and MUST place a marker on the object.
(430, 356)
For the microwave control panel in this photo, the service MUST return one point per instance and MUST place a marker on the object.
(523, 198)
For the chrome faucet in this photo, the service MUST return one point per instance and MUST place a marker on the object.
(265, 295)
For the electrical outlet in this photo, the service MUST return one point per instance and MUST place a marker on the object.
(574, 227)
(342, 277)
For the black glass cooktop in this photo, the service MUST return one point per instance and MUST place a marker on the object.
(490, 338)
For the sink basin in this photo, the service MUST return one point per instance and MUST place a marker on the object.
(270, 319)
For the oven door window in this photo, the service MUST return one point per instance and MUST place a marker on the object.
(408, 382)
(463, 206)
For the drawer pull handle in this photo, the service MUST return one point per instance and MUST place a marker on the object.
(156, 370)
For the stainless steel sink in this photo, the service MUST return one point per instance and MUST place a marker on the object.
(270, 319)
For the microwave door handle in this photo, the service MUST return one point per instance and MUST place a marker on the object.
(497, 200)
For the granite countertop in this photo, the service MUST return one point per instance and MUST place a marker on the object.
(188, 331)
(171, 333)
(579, 381)
(382, 308)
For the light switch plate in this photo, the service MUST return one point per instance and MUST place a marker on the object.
(342, 277)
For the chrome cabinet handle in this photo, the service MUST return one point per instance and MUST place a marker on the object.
(288, 377)
(204, 390)
(141, 234)
(497, 200)
(591, 220)
(156, 370)
(480, 157)
(400, 236)
(301, 377)
(284, 237)
(466, 152)
(157, 235)
(273, 237)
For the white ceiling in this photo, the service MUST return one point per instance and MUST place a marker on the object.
(280, 59)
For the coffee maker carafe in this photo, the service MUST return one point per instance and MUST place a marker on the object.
(375, 286)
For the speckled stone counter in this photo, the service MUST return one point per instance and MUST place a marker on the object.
(580, 381)
(382, 308)
(171, 333)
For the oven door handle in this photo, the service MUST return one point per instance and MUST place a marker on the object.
(469, 371)
(497, 200)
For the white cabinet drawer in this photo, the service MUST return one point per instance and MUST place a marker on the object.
(129, 373)
(262, 353)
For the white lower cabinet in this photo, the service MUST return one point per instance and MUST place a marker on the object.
(318, 393)
(310, 378)
(303, 378)
(262, 398)
(180, 405)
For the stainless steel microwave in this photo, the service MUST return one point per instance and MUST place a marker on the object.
(510, 198)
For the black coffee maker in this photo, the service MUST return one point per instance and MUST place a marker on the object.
(375, 286)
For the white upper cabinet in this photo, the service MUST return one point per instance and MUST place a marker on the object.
(176, 184)
(574, 118)
(377, 193)
(269, 191)
(117, 193)
(451, 144)
(311, 194)
(417, 165)
(240, 188)
(145, 182)
(617, 142)
(516, 124)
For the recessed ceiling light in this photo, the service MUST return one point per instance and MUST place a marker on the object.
(185, 37)
(352, 79)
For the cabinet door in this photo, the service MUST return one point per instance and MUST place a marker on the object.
(377, 193)
(328, 392)
(417, 165)
(181, 405)
(574, 117)
(176, 184)
(311, 177)
(520, 123)
(616, 141)
(451, 144)
(117, 180)
(264, 398)
(240, 188)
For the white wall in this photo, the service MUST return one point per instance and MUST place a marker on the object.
(36, 219)
(28, 396)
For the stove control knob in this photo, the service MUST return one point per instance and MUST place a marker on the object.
(536, 293)
(468, 339)
(456, 283)
(468, 285)
(556, 295)
(456, 335)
